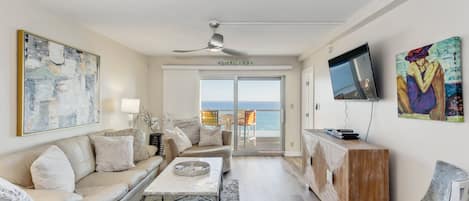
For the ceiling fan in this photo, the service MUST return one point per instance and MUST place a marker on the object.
(215, 44)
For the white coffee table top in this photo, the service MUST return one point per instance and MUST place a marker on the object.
(168, 183)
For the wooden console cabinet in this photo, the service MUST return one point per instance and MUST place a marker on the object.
(345, 170)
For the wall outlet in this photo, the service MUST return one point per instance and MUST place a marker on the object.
(292, 144)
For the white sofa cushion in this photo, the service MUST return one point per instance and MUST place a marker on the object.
(140, 150)
(52, 171)
(80, 153)
(210, 136)
(114, 153)
(53, 195)
(9, 191)
(148, 165)
(103, 193)
(16, 167)
(182, 141)
(130, 177)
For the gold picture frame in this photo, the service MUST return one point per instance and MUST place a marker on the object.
(36, 56)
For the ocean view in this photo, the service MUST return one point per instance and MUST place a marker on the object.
(265, 120)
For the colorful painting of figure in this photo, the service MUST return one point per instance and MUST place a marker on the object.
(429, 82)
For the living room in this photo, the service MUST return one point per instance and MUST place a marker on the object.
(261, 97)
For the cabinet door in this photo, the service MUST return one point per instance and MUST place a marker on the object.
(309, 144)
(330, 172)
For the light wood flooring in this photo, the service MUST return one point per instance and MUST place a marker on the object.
(270, 179)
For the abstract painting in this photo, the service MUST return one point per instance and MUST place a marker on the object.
(429, 82)
(58, 85)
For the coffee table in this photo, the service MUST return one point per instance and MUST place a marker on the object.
(169, 186)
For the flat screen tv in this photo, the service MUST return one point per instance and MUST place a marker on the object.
(352, 75)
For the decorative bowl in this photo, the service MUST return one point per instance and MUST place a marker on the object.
(191, 168)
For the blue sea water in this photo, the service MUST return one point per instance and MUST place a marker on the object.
(265, 120)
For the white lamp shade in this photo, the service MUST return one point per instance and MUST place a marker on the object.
(130, 105)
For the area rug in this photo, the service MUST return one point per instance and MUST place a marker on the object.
(230, 191)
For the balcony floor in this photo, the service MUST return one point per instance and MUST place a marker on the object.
(265, 142)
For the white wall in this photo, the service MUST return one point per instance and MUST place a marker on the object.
(123, 71)
(415, 145)
(292, 82)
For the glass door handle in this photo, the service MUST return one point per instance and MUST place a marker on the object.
(282, 115)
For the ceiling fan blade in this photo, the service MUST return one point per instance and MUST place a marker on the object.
(233, 52)
(187, 51)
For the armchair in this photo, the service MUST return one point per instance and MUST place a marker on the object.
(171, 151)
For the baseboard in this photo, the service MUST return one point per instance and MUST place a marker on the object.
(292, 154)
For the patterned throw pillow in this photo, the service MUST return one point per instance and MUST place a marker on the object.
(114, 153)
(9, 191)
(211, 136)
(191, 128)
(140, 148)
(181, 140)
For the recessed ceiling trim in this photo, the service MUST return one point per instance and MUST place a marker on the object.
(228, 68)
(282, 23)
(364, 16)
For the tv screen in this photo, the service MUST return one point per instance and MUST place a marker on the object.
(352, 75)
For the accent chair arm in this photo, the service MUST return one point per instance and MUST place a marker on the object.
(170, 150)
(227, 137)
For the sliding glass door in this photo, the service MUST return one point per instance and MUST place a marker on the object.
(260, 115)
(251, 107)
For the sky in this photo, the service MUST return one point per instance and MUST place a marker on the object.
(222, 90)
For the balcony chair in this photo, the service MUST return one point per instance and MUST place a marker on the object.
(247, 119)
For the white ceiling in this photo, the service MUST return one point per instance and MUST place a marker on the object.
(156, 27)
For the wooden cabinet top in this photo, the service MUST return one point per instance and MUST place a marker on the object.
(344, 144)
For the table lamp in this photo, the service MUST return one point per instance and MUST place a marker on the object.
(132, 107)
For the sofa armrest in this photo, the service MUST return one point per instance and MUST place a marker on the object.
(170, 150)
(227, 137)
(151, 149)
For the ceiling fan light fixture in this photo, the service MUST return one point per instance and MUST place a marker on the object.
(215, 49)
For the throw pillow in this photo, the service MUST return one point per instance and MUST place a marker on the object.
(181, 140)
(168, 122)
(210, 136)
(114, 153)
(52, 171)
(140, 151)
(191, 128)
(11, 192)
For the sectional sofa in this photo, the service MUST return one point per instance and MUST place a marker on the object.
(90, 185)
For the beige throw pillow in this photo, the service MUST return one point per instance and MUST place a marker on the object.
(52, 171)
(140, 149)
(114, 153)
(210, 136)
(181, 140)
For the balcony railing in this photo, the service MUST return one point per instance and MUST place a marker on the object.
(266, 123)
